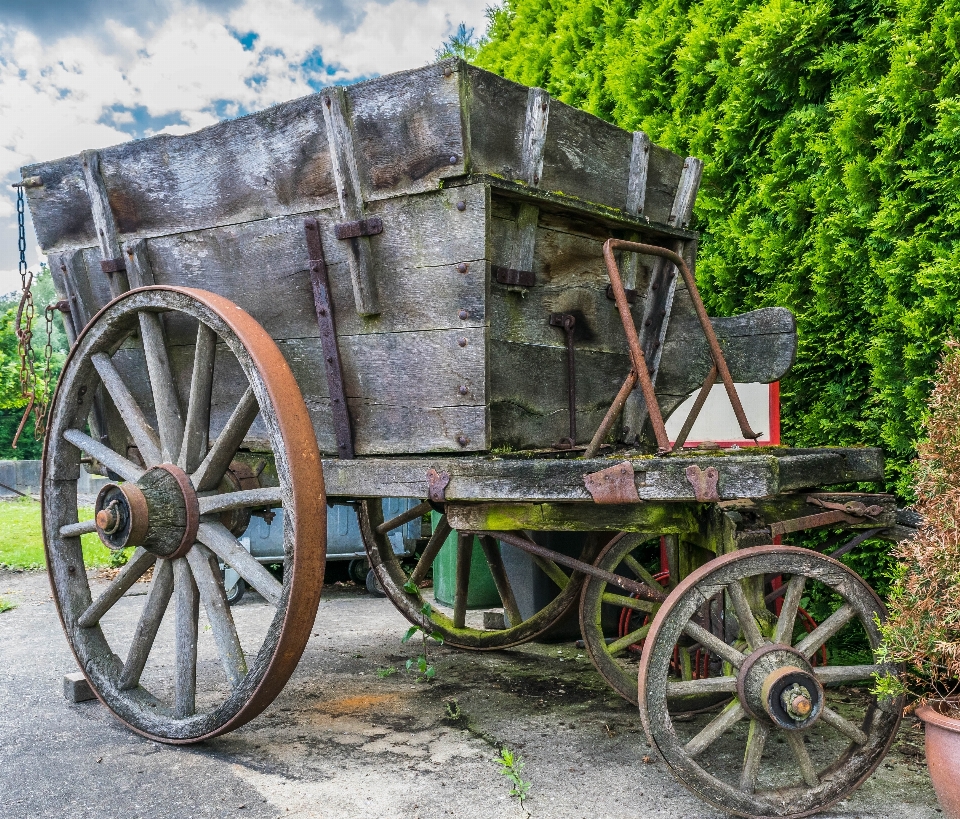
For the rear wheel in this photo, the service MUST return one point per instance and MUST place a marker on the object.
(403, 585)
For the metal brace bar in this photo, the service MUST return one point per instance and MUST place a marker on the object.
(328, 340)
(642, 590)
(640, 368)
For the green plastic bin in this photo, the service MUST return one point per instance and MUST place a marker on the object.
(481, 592)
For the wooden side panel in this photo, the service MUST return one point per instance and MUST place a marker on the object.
(414, 375)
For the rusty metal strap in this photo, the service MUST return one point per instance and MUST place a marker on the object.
(642, 590)
(509, 276)
(328, 340)
(117, 265)
(784, 527)
(370, 226)
(613, 485)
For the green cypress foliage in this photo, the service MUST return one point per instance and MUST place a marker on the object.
(831, 135)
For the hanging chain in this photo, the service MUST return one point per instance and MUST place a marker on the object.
(31, 389)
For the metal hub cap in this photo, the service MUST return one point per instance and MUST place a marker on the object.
(160, 512)
(778, 683)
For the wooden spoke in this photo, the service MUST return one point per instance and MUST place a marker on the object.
(417, 511)
(166, 402)
(215, 464)
(126, 469)
(840, 674)
(641, 573)
(139, 562)
(187, 605)
(464, 559)
(491, 551)
(708, 685)
(844, 726)
(84, 527)
(161, 587)
(206, 572)
(714, 729)
(748, 623)
(268, 496)
(437, 539)
(800, 753)
(625, 602)
(628, 640)
(816, 638)
(714, 644)
(756, 739)
(552, 570)
(197, 428)
(788, 612)
(217, 537)
(140, 430)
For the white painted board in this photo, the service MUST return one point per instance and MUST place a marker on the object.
(717, 423)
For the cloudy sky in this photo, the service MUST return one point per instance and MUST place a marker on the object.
(78, 74)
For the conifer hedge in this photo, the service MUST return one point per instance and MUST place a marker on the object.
(831, 136)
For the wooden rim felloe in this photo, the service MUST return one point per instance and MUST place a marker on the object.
(824, 754)
(397, 583)
(173, 441)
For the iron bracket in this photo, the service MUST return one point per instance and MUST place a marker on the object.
(704, 482)
(117, 265)
(613, 485)
(509, 276)
(437, 485)
(370, 226)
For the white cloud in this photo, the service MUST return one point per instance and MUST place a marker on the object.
(61, 96)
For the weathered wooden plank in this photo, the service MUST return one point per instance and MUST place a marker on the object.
(587, 155)
(547, 480)
(408, 130)
(637, 180)
(103, 221)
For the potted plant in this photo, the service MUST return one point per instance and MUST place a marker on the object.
(922, 633)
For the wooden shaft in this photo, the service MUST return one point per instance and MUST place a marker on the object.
(499, 573)
(437, 539)
(464, 557)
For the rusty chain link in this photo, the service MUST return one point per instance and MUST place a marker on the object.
(35, 392)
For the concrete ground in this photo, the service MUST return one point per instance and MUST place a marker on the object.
(343, 741)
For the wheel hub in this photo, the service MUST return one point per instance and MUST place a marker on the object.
(777, 683)
(159, 512)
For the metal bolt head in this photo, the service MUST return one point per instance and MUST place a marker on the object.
(463, 389)
(447, 71)
(462, 267)
(461, 205)
(797, 702)
(453, 159)
(462, 342)
(463, 440)
(463, 314)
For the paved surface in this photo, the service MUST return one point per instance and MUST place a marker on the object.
(343, 742)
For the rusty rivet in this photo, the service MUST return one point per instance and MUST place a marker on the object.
(463, 314)
(453, 159)
(327, 101)
(71, 569)
(447, 71)
(462, 267)
(322, 311)
(462, 342)
(461, 205)
(463, 389)
(463, 440)
(544, 106)
(536, 180)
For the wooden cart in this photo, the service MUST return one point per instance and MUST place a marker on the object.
(444, 286)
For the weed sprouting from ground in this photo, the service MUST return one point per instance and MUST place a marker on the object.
(511, 766)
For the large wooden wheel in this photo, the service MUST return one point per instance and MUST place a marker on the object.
(192, 667)
(402, 586)
(789, 742)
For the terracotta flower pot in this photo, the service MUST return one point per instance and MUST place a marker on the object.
(942, 740)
